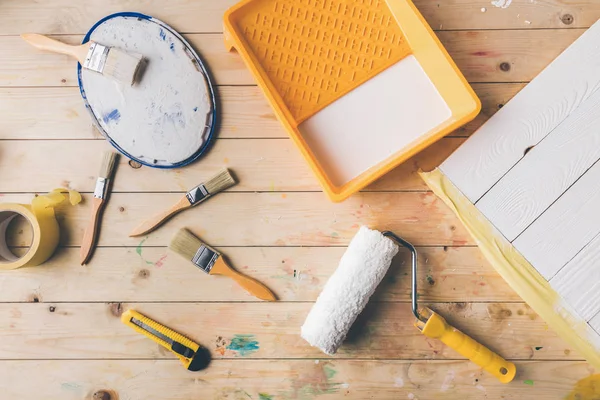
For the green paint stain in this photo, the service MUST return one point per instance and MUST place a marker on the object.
(71, 386)
(138, 249)
(335, 234)
(329, 372)
(263, 396)
(243, 344)
(539, 348)
(528, 382)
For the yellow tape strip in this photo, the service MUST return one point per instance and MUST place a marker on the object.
(517, 271)
(46, 233)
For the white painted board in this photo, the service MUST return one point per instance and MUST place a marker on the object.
(565, 228)
(578, 282)
(546, 172)
(543, 104)
(595, 323)
(378, 119)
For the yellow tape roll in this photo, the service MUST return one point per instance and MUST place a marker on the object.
(41, 217)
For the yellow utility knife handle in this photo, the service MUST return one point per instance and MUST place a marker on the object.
(180, 342)
(436, 327)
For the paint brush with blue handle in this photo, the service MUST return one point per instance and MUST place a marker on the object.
(108, 61)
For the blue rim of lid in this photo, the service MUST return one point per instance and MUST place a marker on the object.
(213, 118)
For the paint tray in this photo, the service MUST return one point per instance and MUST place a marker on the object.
(360, 85)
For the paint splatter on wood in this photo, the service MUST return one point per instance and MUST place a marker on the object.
(501, 3)
(243, 345)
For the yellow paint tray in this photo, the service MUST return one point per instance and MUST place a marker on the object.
(360, 85)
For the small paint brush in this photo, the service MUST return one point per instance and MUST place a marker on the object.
(108, 61)
(210, 261)
(99, 201)
(197, 195)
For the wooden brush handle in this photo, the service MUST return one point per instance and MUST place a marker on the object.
(253, 286)
(91, 231)
(153, 222)
(45, 43)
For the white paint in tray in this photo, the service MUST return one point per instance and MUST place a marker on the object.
(165, 118)
(378, 119)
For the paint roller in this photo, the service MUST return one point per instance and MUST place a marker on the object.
(361, 269)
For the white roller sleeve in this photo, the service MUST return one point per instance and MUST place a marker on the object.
(347, 292)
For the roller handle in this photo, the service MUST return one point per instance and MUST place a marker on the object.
(91, 231)
(45, 43)
(436, 327)
(158, 219)
(253, 286)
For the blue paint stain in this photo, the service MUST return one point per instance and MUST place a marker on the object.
(162, 34)
(195, 109)
(114, 115)
(174, 117)
(172, 47)
(243, 344)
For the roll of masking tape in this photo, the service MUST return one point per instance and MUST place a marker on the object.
(45, 230)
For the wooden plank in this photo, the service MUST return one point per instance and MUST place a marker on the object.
(259, 165)
(479, 54)
(579, 281)
(293, 273)
(263, 219)
(23, 65)
(385, 330)
(290, 379)
(546, 172)
(528, 118)
(59, 112)
(61, 16)
(565, 228)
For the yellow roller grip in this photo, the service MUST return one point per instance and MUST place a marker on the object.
(436, 327)
(185, 349)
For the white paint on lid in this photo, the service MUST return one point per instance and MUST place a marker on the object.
(375, 121)
(161, 120)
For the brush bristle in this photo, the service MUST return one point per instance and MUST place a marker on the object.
(122, 66)
(185, 244)
(108, 164)
(219, 182)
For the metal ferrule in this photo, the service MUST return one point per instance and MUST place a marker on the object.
(197, 194)
(96, 57)
(205, 258)
(101, 188)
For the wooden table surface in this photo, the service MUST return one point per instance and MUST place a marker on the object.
(60, 334)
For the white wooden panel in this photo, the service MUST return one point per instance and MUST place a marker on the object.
(595, 323)
(579, 281)
(536, 181)
(565, 228)
(543, 104)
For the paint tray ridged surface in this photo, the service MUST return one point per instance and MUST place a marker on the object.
(360, 85)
